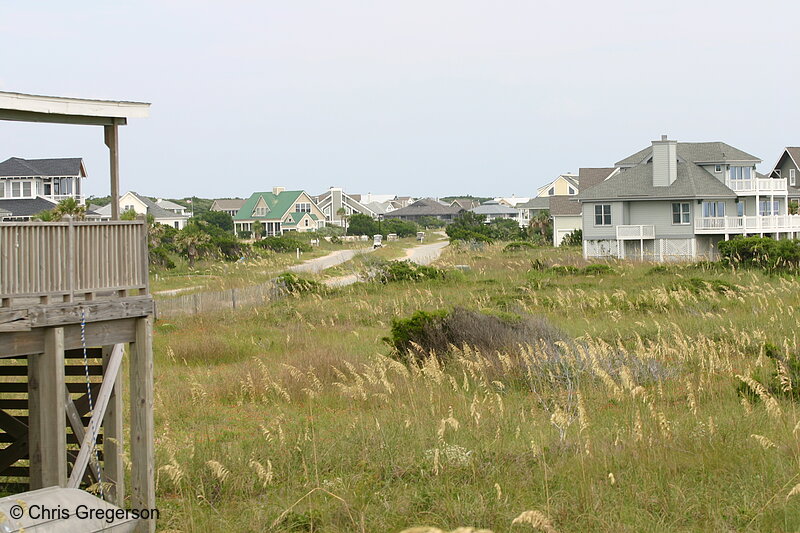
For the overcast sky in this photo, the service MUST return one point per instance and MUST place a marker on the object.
(419, 97)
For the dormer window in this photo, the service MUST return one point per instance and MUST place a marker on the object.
(717, 168)
(260, 212)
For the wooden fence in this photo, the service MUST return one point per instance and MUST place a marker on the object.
(202, 302)
(62, 259)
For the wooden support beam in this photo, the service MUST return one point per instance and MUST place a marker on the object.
(112, 141)
(47, 431)
(88, 442)
(75, 422)
(113, 438)
(143, 495)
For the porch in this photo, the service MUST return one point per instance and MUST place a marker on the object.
(765, 186)
(748, 224)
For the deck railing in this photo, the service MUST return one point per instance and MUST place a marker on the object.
(758, 185)
(749, 224)
(65, 259)
(625, 232)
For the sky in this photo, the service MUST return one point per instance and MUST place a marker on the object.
(419, 97)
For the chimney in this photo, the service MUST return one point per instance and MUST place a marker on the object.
(277, 190)
(665, 162)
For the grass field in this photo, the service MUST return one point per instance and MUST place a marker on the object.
(294, 417)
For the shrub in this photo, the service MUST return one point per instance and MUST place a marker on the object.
(516, 246)
(565, 269)
(573, 239)
(761, 252)
(698, 285)
(390, 271)
(598, 269)
(159, 256)
(294, 284)
(780, 379)
(245, 234)
(433, 333)
(283, 244)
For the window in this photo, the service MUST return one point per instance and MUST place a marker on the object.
(713, 209)
(302, 208)
(177, 225)
(571, 190)
(2, 190)
(680, 213)
(260, 212)
(552, 191)
(602, 215)
(717, 168)
(768, 208)
(741, 173)
(306, 223)
(129, 208)
(20, 189)
(740, 209)
(792, 177)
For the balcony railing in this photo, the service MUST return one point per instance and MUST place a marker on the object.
(64, 259)
(631, 232)
(751, 224)
(758, 185)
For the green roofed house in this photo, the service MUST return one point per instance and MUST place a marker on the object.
(279, 211)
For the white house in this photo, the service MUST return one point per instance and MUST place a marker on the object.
(131, 201)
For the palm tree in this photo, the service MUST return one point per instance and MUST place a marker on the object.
(342, 212)
(540, 224)
(193, 240)
(71, 207)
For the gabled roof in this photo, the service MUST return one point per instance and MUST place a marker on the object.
(494, 208)
(325, 198)
(637, 184)
(278, 204)
(59, 167)
(465, 203)
(228, 204)
(295, 218)
(166, 204)
(25, 207)
(710, 152)
(426, 207)
(589, 177)
(154, 209)
(540, 202)
(564, 206)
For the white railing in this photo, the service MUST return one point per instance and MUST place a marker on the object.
(636, 232)
(751, 224)
(758, 185)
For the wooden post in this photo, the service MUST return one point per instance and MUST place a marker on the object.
(47, 423)
(233, 298)
(113, 437)
(143, 495)
(112, 141)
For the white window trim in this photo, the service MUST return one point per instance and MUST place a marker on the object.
(681, 213)
(717, 168)
(603, 215)
(792, 177)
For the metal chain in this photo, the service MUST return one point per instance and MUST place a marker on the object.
(91, 403)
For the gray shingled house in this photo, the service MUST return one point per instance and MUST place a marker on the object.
(677, 201)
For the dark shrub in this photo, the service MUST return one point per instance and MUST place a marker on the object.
(573, 239)
(390, 271)
(516, 246)
(294, 284)
(596, 269)
(435, 332)
(283, 244)
(761, 252)
(770, 377)
(159, 256)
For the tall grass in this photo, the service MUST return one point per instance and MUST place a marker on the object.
(294, 417)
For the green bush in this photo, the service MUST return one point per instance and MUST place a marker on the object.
(698, 286)
(565, 269)
(779, 379)
(517, 246)
(761, 252)
(245, 234)
(434, 333)
(159, 256)
(573, 239)
(391, 271)
(596, 269)
(283, 244)
(294, 284)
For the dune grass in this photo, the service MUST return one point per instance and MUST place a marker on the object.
(293, 417)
